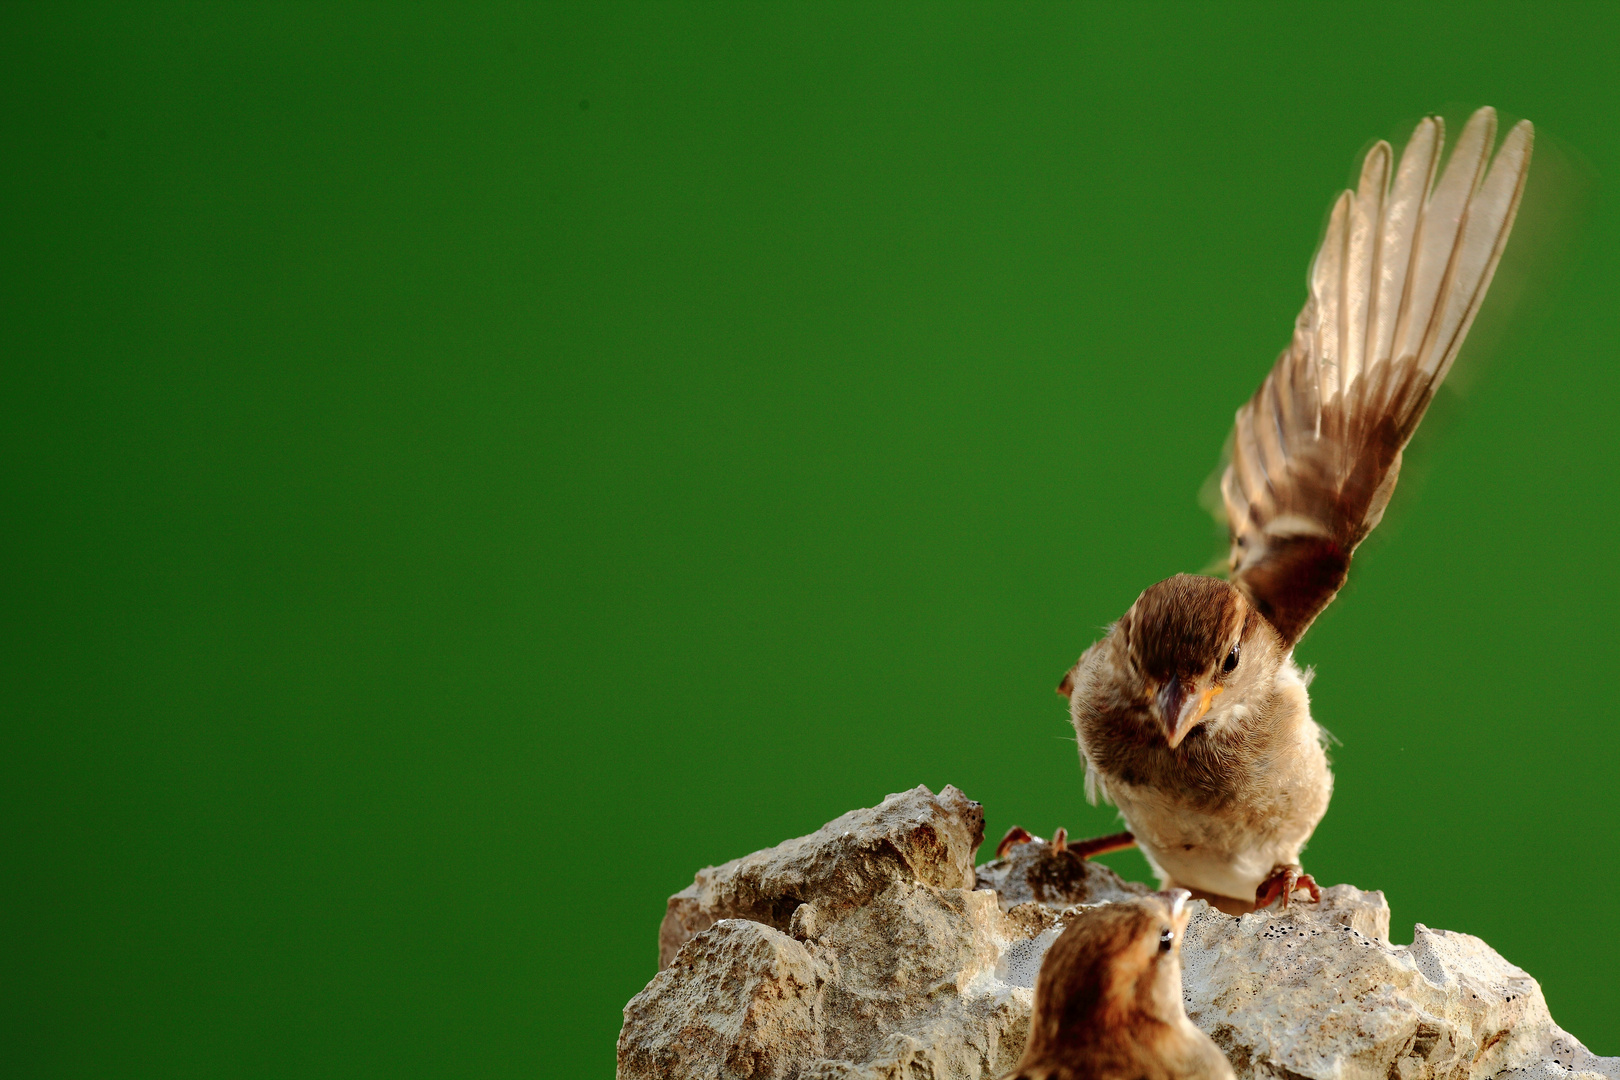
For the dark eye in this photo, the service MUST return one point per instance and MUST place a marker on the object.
(1231, 660)
(1167, 939)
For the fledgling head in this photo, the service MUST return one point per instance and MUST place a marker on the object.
(1202, 651)
(1108, 999)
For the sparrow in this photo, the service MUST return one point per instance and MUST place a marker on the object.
(1108, 1000)
(1191, 712)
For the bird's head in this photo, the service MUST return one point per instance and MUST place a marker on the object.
(1141, 943)
(1113, 977)
(1202, 652)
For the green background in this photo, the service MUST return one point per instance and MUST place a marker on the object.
(467, 469)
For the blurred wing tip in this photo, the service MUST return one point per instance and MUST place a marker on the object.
(1521, 134)
(1375, 170)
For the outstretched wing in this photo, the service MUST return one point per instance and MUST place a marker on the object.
(1393, 290)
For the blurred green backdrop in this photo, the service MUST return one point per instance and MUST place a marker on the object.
(467, 469)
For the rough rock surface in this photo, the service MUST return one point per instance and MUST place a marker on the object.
(911, 836)
(869, 950)
(1319, 991)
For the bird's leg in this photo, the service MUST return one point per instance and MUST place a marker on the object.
(1285, 879)
(1102, 845)
(1015, 835)
(1085, 849)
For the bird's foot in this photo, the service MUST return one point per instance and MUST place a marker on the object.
(1285, 880)
(1084, 849)
(1015, 835)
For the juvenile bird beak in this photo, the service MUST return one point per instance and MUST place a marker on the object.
(1171, 696)
(1181, 713)
(1179, 915)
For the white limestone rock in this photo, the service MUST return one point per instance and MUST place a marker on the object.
(911, 836)
(865, 952)
(740, 1001)
(1319, 991)
(904, 985)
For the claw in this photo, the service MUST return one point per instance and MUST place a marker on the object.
(1060, 841)
(1309, 884)
(1285, 880)
(1015, 835)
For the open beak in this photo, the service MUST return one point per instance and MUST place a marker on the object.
(1182, 711)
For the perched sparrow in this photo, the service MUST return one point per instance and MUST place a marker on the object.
(1191, 713)
(1108, 1001)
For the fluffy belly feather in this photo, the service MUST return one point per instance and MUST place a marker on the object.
(1219, 852)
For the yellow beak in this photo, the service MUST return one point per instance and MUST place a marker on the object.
(1182, 718)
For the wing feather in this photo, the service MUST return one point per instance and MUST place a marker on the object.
(1394, 287)
(1366, 225)
(1402, 221)
(1327, 288)
(1484, 238)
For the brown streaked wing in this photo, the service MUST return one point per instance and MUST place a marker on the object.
(1393, 290)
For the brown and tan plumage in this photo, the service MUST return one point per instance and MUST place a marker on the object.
(1393, 291)
(1191, 714)
(1108, 1001)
